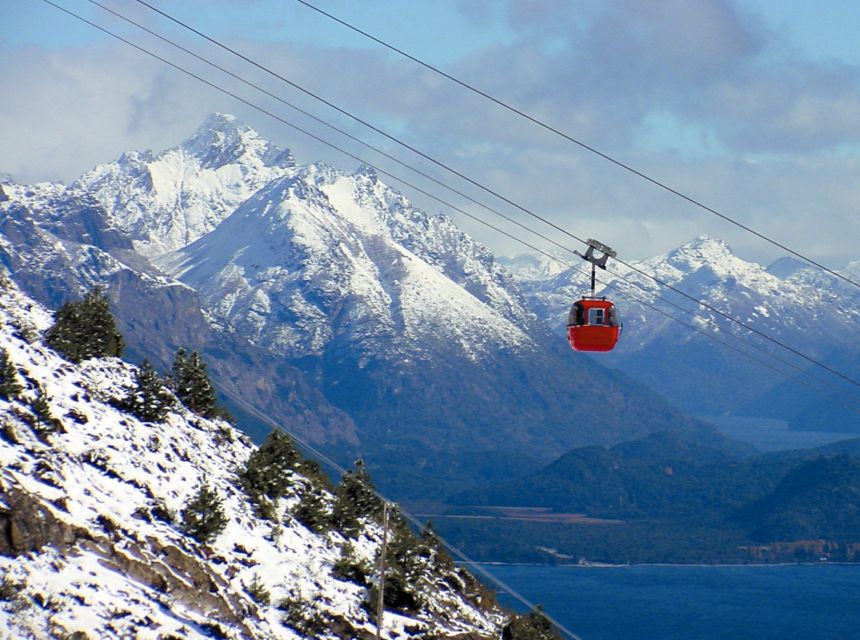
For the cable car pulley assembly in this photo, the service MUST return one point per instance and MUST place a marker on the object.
(594, 323)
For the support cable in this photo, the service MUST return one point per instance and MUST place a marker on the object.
(389, 156)
(401, 180)
(488, 189)
(583, 145)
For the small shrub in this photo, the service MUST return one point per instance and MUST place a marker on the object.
(10, 588)
(258, 592)
(45, 421)
(302, 617)
(350, 568)
(148, 399)
(203, 517)
(10, 386)
(533, 626)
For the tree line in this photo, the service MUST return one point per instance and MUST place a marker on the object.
(274, 471)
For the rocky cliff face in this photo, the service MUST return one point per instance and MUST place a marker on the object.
(92, 543)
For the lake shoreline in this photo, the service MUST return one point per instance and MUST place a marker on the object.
(608, 565)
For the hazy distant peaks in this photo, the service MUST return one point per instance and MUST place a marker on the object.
(785, 267)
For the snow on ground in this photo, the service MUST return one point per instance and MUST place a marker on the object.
(106, 556)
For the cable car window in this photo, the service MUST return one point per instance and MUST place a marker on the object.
(575, 316)
(596, 316)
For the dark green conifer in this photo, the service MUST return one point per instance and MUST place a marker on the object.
(267, 474)
(10, 388)
(203, 517)
(533, 626)
(312, 510)
(193, 386)
(148, 399)
(85, 329)
(355, 498)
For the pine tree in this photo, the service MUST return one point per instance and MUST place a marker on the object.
(193, 386)
(355, 498)
(10, 388)
(267, 474)
(85, 329)
(203, 517)
(312, 510)
(45, 420)
(148, 399)
(533, 626)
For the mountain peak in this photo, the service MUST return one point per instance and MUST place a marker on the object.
(706, 243)
(785, 267)
(222, 139)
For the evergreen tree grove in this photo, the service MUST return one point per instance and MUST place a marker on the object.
(85, 329)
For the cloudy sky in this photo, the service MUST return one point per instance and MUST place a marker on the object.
(750, 106)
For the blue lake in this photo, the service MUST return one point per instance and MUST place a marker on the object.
(781, 602)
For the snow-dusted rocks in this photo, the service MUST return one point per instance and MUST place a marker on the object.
(322, 253)
(92, 546)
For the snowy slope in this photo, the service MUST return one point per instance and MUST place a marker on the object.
(91, 536)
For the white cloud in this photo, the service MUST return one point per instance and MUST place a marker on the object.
(609, 67)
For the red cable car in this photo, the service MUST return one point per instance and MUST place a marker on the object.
(594, 323)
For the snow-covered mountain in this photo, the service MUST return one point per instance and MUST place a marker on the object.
(320, 253)
(395, 318)
(93, 543)
(59, 243)
(165, 201)
(789, 301)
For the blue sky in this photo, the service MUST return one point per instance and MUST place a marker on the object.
(752, 106)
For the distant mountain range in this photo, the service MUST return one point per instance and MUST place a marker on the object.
(798, 305)
(328, 301)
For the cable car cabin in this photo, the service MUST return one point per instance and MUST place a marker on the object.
(593, 325)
